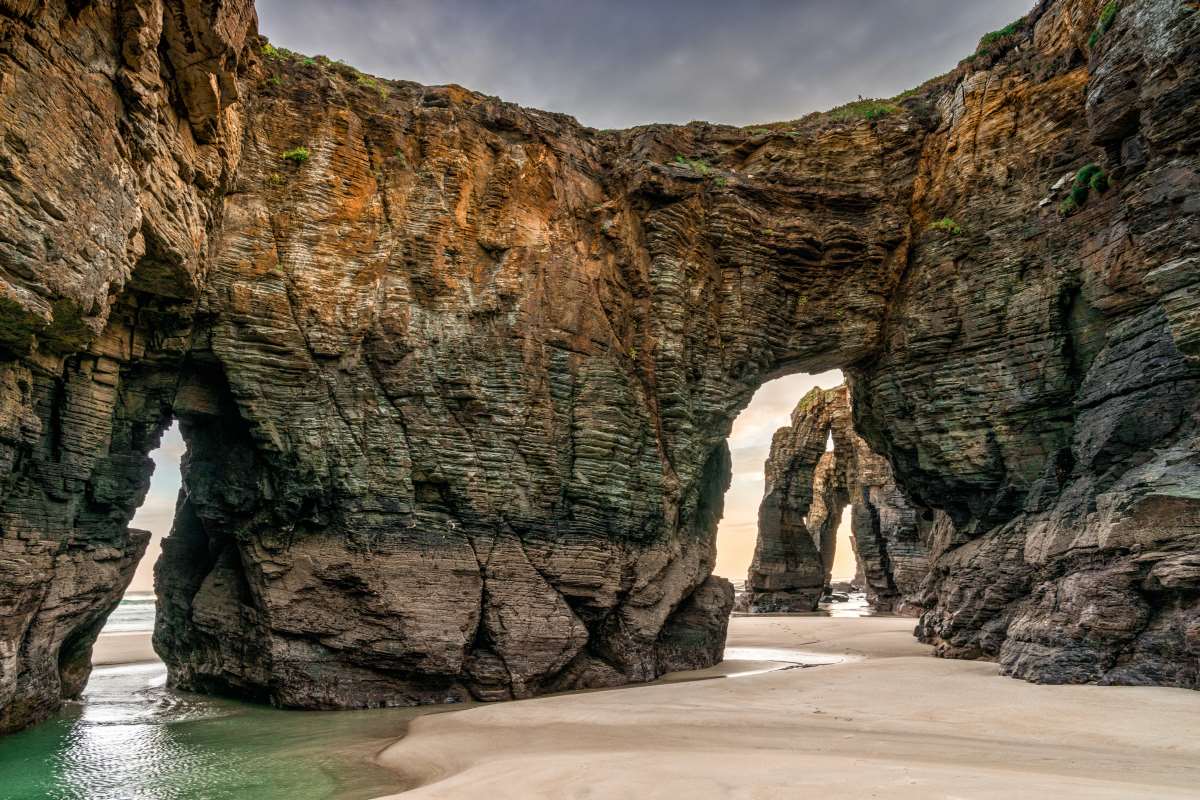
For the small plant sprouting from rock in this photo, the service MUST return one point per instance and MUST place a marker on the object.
(1079, 195)
(367, 82)
(696, 165)
(1108, 16)
(297, 155)
(1091, 178)
(946, 225)
(275, 179)
(277, 53)
(275, 80)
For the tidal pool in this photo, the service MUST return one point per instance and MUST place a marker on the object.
(131, 738)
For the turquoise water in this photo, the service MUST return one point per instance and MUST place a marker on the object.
(131, 738)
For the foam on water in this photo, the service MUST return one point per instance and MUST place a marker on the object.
(134, 613)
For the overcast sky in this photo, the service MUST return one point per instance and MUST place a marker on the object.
(619, 63)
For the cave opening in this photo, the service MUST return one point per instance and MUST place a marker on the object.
(125, 635)
(761, 424)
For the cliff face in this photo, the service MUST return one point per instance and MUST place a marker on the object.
(456, 378)
(1038, 378)
(806, 489)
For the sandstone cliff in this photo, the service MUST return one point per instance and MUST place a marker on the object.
(456, 376)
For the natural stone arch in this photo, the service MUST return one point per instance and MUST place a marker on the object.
(484, 360)
(807, 487)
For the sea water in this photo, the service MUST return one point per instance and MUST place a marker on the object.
(134, 613)
(132, 738)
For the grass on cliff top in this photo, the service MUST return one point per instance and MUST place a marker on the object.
(998, 40)
(992, 37)
(869, 110)
(282, 55)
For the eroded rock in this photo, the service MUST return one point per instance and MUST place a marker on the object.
(806, 488)
(468, 367)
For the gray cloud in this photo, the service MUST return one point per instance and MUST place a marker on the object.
(620, 63)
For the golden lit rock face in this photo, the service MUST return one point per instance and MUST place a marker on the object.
(456, 376)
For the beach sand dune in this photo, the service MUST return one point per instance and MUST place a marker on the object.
(889, 721)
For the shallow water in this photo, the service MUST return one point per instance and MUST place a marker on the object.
(131, 738)
(134, 613)
(856, 606)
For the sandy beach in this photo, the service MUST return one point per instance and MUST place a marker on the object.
(112, 649)
(888, 720)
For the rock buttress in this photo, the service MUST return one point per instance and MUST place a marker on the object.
(1038, 378)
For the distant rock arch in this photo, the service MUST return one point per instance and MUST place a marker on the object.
(806, 488)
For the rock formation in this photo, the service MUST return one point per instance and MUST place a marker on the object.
(807, 486)
(805, 491)
(456, 376)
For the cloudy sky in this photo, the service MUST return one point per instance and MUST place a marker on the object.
(619, 63)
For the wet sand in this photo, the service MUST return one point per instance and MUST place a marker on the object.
(112, 649)
(887, 720)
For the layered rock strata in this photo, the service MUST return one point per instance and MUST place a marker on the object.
(456, 376)
(807, 486)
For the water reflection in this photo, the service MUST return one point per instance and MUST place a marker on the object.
(130, 738)
(855, 606)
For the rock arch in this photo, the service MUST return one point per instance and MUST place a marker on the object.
(465, 365)
(806, 488)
